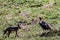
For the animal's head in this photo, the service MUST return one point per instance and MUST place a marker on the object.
(19, 26)
(40, 18)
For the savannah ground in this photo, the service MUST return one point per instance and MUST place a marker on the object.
(11, 10)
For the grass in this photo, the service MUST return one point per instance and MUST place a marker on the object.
(9, 11)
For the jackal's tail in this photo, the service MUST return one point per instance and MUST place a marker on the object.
(4, 31)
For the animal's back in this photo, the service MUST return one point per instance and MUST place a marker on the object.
(13, 28)
(44, 25)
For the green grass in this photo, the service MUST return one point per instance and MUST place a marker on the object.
(12, 7)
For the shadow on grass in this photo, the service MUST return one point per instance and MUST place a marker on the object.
(50, 33)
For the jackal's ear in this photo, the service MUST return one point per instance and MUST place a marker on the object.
(18, 25)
